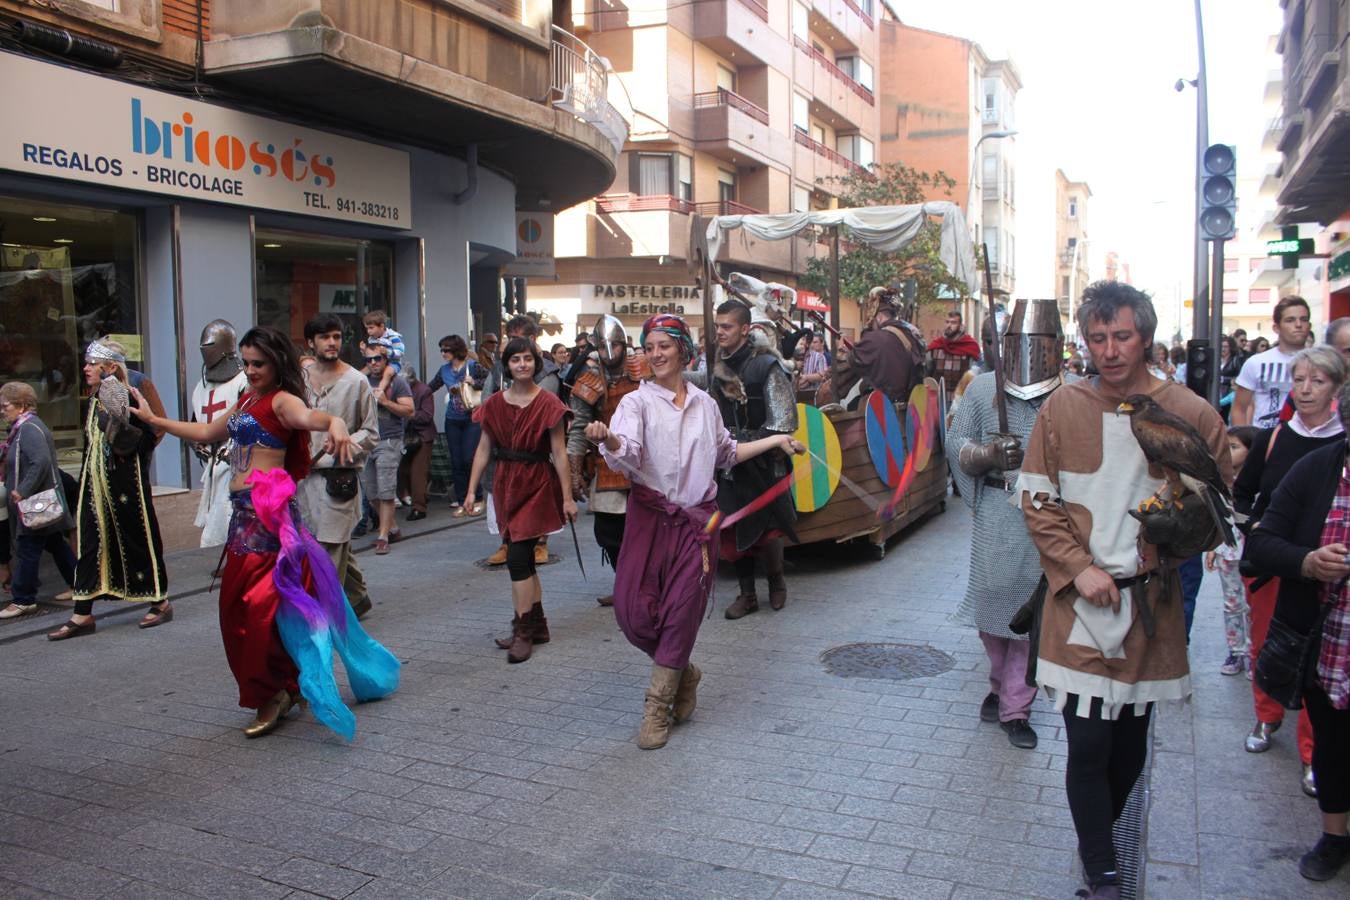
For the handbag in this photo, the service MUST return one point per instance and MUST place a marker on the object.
(412, 441)
(1287, 659)
(43, 508)
(470, 396)
(340, 483)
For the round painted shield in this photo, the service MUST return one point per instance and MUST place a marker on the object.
(815, 473)
(921, 424)
(885, 439)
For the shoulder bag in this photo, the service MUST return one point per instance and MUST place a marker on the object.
(470, 396)
(1288, 659)
(43, 508)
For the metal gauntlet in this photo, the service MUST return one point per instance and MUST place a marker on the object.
(1003, 453)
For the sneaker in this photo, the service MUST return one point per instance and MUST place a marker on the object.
(1234, 664)
(15, 610)
(1324, 860)
(1020, 733)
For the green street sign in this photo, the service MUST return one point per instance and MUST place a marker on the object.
(1289, 247)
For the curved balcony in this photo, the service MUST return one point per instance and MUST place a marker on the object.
(442, 74)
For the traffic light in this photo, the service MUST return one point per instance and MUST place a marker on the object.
(1218, 193)
(1199, 366)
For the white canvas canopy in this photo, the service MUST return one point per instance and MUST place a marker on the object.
(886, 228)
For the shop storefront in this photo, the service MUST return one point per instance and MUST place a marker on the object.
(143, 215)
(578, 306)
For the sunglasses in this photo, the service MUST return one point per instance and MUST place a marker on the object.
(379, 357)
(447, 350)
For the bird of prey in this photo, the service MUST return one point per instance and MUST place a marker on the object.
(1177, 448)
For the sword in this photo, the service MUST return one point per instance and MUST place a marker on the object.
(995, 347)
(577, 545)
(846, 481)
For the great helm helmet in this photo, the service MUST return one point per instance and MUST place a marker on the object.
(607, 333)
(1033, 349)
(220, 356)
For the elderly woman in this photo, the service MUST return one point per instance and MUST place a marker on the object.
(1318, 375)
(29, 459)
(1304, 539)
(121, 555)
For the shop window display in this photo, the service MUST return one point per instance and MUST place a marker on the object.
(301, 275)
(67, 275)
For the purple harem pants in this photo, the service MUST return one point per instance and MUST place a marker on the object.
(665, 573)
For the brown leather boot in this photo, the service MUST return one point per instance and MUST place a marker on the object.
(743, 605)
(607, 600)
(521, 646)
(773, 568)
(534, 622)
(655, 727)
(686, 695)
(498, 557)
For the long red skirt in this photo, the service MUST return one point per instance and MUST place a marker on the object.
(248, 609)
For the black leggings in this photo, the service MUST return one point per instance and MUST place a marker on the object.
(1105, 759)
(520, 559)
(1331, 749)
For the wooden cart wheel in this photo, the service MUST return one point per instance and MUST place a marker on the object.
(878, 551)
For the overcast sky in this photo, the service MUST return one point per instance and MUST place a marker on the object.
(1098, 101)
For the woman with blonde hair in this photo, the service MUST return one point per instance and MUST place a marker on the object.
(120, 555)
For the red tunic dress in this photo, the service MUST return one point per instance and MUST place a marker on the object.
(526, 493)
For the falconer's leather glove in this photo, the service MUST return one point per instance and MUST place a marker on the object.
(1179, 532)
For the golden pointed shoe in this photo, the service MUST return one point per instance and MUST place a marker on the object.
(270, 716)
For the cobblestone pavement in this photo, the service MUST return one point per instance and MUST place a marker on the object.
(125, 773)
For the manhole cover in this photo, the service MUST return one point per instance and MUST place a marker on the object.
(894, 662)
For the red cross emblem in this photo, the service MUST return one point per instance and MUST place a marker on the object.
(212, 407)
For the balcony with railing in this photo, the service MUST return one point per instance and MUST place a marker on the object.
(850, 18)
(725, 208)
(736, 129)
(837, 160)
(405, 76)
(1317, 66)
(580, 85)
(641, 225)
(737, 29)
(823, 61)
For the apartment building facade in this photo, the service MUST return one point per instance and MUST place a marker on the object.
(175, 162)
(1313, 137)
(946, 106)
(739, 106)
(1071, 245)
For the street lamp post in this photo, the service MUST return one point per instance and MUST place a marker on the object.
(972, 182)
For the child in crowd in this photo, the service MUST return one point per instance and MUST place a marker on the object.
(377, 329)
(1236, 616)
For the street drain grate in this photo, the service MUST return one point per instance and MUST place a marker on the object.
(1130, 833)
(893, 662)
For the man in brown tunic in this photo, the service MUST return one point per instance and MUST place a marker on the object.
(1113, 634)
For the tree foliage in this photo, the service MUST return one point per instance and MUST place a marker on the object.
(860, 267)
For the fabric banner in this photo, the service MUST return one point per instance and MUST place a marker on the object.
(884, 227)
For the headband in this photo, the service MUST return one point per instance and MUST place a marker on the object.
(673, 325)
(103, 353)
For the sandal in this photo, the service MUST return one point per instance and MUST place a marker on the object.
(157, 615)
(72, 629)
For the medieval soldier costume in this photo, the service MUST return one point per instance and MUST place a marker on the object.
(951, 355)
(890, 354)
(754, 394)
(1004, 564)
(609, 373)
(218, 389)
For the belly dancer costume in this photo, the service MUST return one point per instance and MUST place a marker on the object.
(282, 608)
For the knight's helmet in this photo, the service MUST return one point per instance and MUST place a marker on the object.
(1033, 349)
(610, 340)
(220, 355)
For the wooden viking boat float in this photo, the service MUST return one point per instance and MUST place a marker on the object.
(846, 487)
